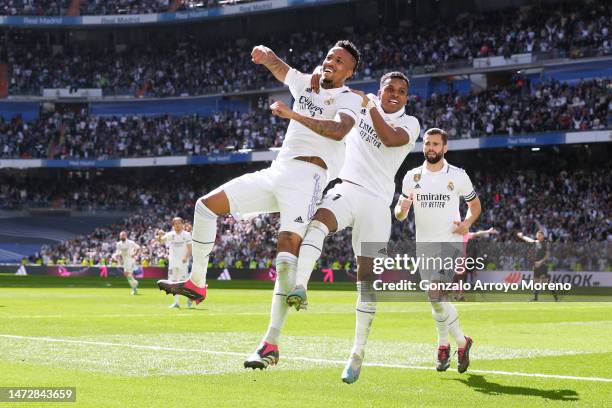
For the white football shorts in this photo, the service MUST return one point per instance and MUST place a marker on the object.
(368, 214)
(291, 187)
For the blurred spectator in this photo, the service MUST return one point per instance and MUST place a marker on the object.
(189, 66)
(578, 203)
(548, 107)
(90, 137)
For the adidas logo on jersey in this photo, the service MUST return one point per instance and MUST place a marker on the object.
(309, 90)
(299, 219)
(382, 251)
(417, 186)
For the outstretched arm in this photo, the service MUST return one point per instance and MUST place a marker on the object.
(486, 232)
(525, 238)
(263, 55)
(334, 129)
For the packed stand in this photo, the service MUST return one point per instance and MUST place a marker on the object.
(33, 7)
(577, 215)
(191, 67)
(72, 136)
(519, 108)
(103, 7)
(551, 106)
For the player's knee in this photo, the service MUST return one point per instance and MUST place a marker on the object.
(325, 216)
(215, 202)
(365, 269)
(435, 296)
(289, 242)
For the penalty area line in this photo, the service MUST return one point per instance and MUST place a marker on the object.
(295, 358)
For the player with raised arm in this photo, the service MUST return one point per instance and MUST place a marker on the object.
(434, 190)
(461, 277)
(311, 155)
(126, 253)
(542, 254)
(178, 242)
(375, 150)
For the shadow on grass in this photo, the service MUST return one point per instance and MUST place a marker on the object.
(480, 384)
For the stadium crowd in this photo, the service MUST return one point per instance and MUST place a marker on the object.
(71, 135)
(189, 66)
(105, 7)
(33, 7)
(515, 109)
(98, 7)
(578, 213)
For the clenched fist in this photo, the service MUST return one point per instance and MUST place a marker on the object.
(262, 55)
(279, 109)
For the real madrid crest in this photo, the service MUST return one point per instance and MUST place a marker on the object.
(329, 101)
(417, 177)
(451, 186)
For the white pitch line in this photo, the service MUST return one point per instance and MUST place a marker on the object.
(307, 359)
(169, 314)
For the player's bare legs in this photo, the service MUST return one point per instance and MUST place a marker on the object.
(207, 210)
(447, 322)
(322, 223)
(365, 309)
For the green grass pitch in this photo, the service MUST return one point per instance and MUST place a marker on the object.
(132, 351)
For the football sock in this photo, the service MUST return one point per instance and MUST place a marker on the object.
(310, 251)
(132, 281)
(535, 294)
(177, 299)
(203, 237)
(365, 310)
(285, 280)
(441, 318)
(453, 324)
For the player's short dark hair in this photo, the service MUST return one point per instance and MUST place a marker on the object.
(437, 131)
(351, 48)
(397, 75)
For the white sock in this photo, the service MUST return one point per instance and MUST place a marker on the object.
(365, 310)
(286, 264)
(310, 251)
(203, 237)
(177, 299)
(441, 318)
(132, 281)
(453, 324)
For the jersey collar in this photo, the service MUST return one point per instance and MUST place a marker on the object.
(334, 91)
(443, 170)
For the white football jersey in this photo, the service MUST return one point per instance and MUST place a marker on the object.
(436, 198)
(369, 162)
(327, 104)
(177, 246)
(126, 249)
